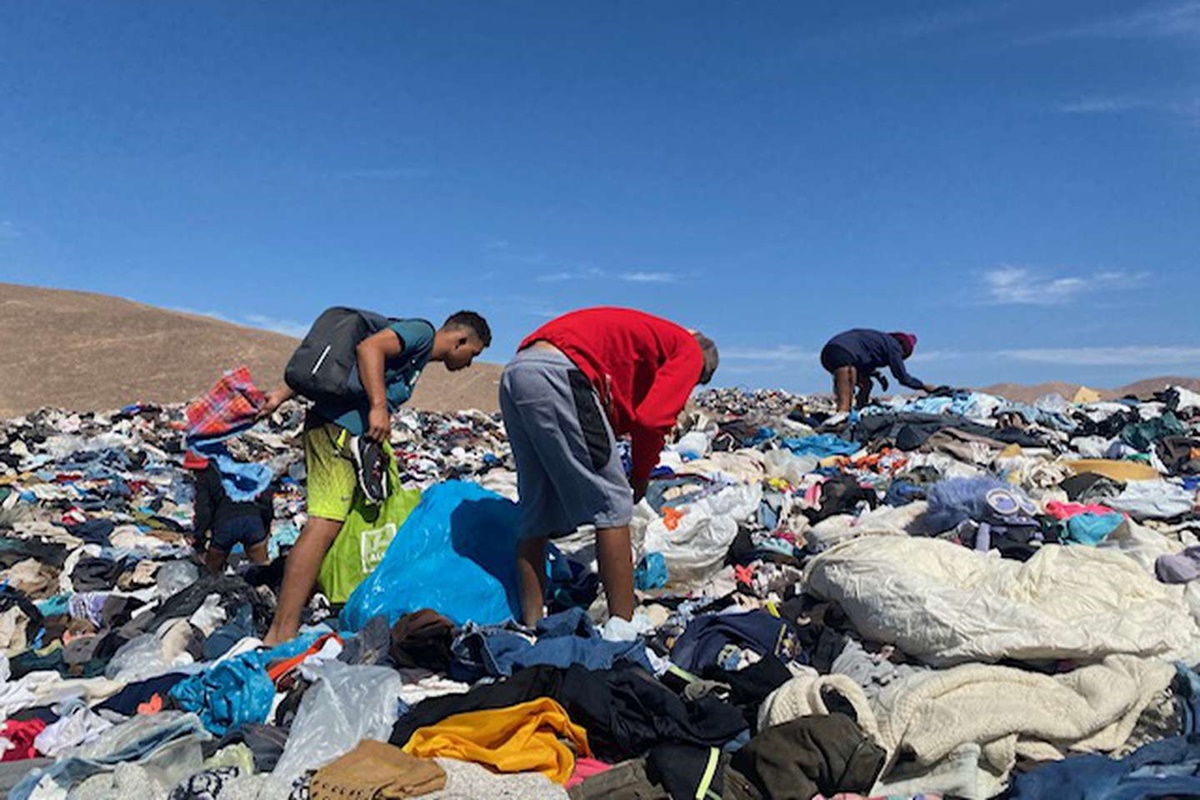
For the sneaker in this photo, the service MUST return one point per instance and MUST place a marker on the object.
(370, 468)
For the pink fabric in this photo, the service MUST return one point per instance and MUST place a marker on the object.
(907, 340)
(1067, 510)
(586, 768)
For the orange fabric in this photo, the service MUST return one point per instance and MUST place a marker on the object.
(521, 738)
(151, 706)
(280, 668)
(671, 517)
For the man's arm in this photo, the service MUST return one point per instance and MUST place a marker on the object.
(656, 414)
(274, 400)
(896, 365)
(373, 352)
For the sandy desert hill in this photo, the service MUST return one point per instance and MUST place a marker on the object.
(87, 351)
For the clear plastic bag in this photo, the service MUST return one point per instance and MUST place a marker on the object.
(348, 703)
(175, 576)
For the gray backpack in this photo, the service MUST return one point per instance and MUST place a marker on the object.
(324, 367)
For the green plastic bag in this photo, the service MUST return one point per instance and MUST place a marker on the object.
(364, 537)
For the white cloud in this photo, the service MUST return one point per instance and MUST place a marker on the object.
(1007, 285)
(783, 352)
(592, 273)
(9, 230)
(934, 356)
(287, 327)
(1132, 355)
(570, 275)
(649, 277)
(1157, 21)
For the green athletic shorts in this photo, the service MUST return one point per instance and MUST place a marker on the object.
(331, 478)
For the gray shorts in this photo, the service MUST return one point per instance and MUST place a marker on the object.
(569, 470)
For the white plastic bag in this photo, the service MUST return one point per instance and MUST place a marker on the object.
(348, 703)
(696, 547)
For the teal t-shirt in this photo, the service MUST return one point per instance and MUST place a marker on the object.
(400, 375)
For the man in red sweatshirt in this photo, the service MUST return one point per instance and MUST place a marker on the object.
(576, 384)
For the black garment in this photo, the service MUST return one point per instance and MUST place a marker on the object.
(233, 591)
(749, 687)
(841, 495)
(13, 550)
(1088, 486)
(834, 357)
(96, 574)
(910, 430)
(422, 639)
(214, 508)
(128, 699)
(266, 742)
(94, 531)
(625, 711)
(681, 770)
(44, 713)
(10, 597)
(1176, 454)
(811, 755)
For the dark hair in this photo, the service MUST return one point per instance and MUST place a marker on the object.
(473, 322)
(711, 357)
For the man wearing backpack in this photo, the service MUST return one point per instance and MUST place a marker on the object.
(358, 368)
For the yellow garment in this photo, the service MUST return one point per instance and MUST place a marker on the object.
(521, 738)
(1086, 395)
(1117, 470)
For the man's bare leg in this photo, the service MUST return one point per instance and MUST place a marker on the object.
(616, 570)
(531, 571)
(844, 381)
(300, 576)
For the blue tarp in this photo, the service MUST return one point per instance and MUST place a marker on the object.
(456, 554)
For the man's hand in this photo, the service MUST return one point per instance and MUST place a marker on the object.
(274, 400)
(379, 424)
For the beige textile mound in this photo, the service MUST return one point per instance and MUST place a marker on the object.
(1011, 712)
(92, 352)
(945, 604)
(806, 695)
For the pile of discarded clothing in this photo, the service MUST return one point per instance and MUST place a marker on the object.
(951, 596)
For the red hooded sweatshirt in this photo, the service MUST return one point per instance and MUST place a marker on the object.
(643, 367)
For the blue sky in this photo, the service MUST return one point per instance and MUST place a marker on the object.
(1017, 182)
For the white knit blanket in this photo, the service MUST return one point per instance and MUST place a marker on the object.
(1011, 712)
(948, 605)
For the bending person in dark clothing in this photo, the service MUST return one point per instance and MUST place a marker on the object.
(856, 356)
(247, 523)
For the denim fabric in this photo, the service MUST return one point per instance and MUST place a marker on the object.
(1166, 768)
(1187, 687)
(136, 741)
(562, 639)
